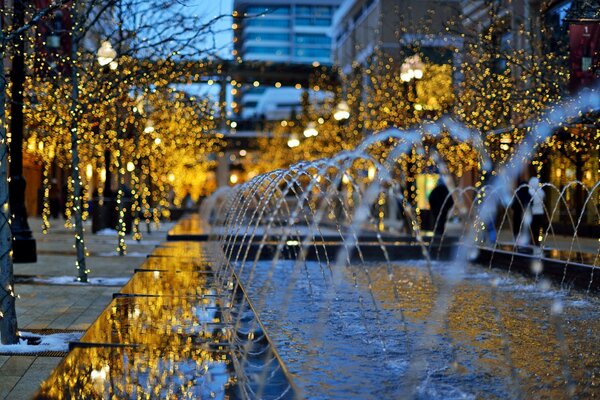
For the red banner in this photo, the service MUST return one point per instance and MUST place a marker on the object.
(584, 38)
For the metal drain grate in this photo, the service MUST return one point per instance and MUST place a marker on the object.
(35, 354)
(51, 331)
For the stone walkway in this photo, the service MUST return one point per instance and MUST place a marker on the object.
(65, 307)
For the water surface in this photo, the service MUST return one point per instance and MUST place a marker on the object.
(500, 336)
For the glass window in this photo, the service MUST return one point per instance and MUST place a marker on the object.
(308, 38)
(319, 11)
(276, 10)
(277, 51)
(317, 53)
(323, 11)
(255, 90)
(268, 22)
(304, 10)
(262, 36)
(313, 21)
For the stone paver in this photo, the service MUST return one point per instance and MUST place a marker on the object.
(42, 306)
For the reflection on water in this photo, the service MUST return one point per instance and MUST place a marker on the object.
(170, 340)
(170, 333)
(139, 373)
(500, 338)
(161, 322)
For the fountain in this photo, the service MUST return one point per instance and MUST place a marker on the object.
(296, 287)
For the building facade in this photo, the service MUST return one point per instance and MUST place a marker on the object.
(397, 28)
(512, 59)
(297, 31)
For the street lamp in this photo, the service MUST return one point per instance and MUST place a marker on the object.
(310, 130)
(293, 141)
(342, 111)
(104, 214)
(106, 55)
(56, 27)
(106, 58)
(411, 68)
(23, 243)
(149, 128)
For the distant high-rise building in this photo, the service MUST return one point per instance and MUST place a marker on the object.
(295, 31)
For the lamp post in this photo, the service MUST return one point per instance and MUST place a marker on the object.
(411, 71)
(103, 213)
(342, 111)
(106, 58)
(293, 141)
(310, 130)
(23, 244)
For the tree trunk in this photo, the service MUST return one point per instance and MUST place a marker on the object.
(8, 315)
(122, 209)
(75, 175)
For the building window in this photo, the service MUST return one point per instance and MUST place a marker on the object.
(318, 11)
(268, 22)
(276, 51)
(313, 21)
(256, 90)
(316, 53)
(308, 38)
(263, 36)
(274, 10)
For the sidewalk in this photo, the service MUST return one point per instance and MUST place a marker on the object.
(65, 307)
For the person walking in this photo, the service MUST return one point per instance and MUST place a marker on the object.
(537, 208)
(440, 203)
(519, 206)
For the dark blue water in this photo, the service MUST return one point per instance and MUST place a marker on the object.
(497, 336)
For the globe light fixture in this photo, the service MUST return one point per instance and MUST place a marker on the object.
(53, 41)
(149, 128)
(106, 55)
(310, 130)
(342, 111)
(411, 68)
(293, 141)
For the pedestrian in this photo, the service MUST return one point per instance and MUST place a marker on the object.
(537, 208)
(440, 203)
(519, 207)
